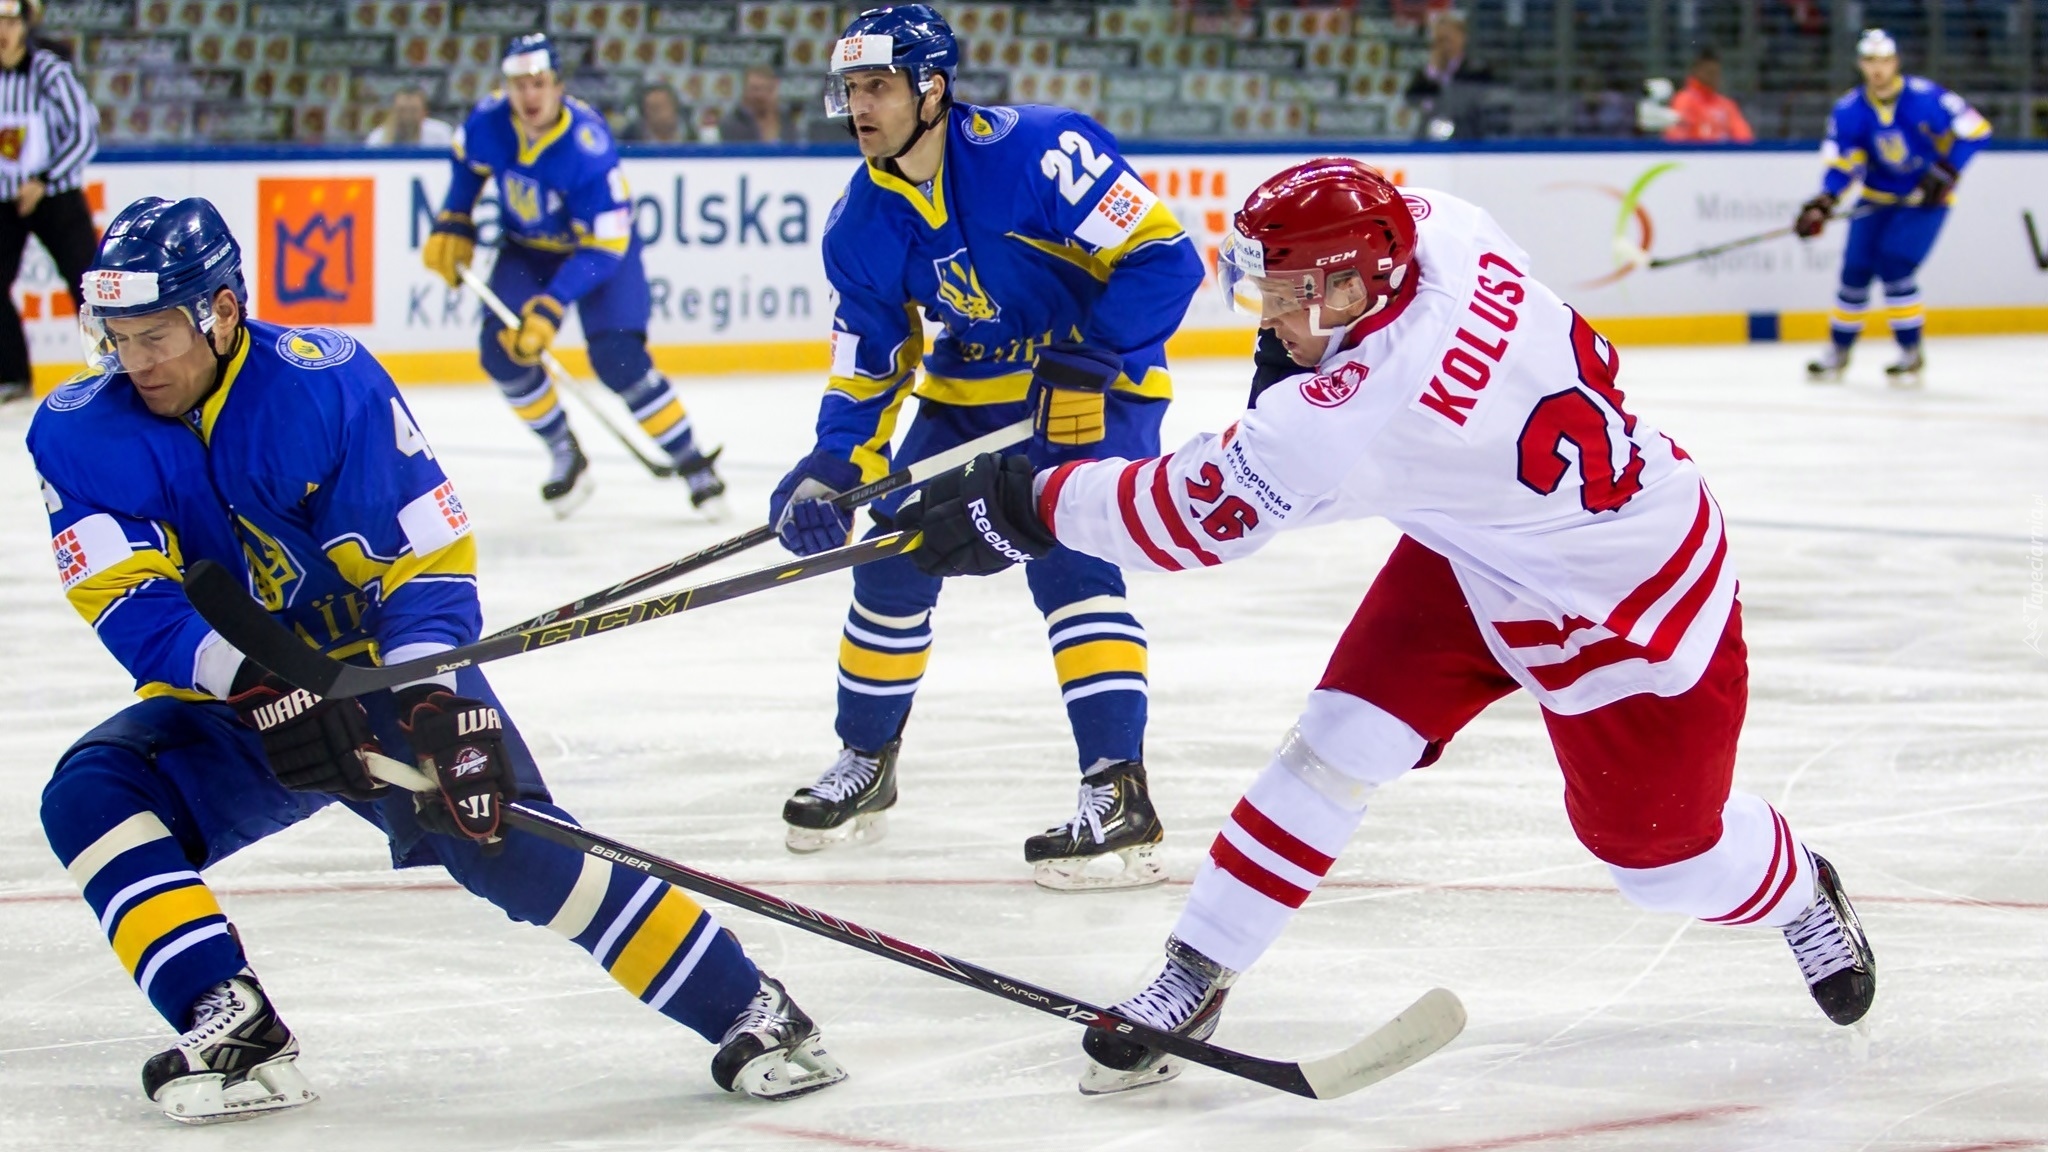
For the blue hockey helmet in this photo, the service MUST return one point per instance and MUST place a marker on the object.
(531, 55)
(158, 255)
(913, 37)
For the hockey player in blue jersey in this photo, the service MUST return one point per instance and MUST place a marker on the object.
(1907, 139)
(1056, 277)
(566, 217)
(288, 453)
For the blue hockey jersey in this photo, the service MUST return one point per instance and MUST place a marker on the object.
(1033, 231)
(559, 192)
(1889, 145)
(303, 468)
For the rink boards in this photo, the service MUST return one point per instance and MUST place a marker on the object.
(731, 242)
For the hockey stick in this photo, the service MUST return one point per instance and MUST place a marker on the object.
(1427, 1025)
(222, 599)
(510, 320)
(1731, 245)
(848, 500)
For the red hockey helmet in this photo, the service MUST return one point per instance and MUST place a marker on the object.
(1306, 226)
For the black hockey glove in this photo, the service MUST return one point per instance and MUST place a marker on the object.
(977, 520)
(1813, 216)
(460, 742)
(1935, 185)
(312, 744)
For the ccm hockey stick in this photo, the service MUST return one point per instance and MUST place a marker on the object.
(222, 599)
(510, 320)
(1644, 260)
(848, 500)
(1427, 1025)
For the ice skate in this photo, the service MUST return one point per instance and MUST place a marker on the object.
(773, 1051)
(848, 805)
(13, 390)
(237, 1060)
(567, 487)
(1186, 999)
(707, 491)
(1832, 951)
(1906, 372)
(1830, 367)
(1110, 843)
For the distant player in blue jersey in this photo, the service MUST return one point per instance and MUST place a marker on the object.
(567, 220)
(288, 453)
(1056, 277)
(1907, 139)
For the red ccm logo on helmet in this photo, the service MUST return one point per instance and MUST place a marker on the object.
(1327, 390)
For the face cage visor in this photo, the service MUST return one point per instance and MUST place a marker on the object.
(138, 343)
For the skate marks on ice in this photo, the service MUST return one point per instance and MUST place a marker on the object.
(1894, 710)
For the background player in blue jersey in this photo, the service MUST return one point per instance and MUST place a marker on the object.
(566, 216)
(288, 453)
(1056, 276)
(1907, 139)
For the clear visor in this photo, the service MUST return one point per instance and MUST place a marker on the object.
(838, 99)
(138, 343)
(1267, 297)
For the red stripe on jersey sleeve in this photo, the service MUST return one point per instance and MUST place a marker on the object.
(1162, 499)
(1636, 603)
(1254, 876)
(1127, 503)
(1049, 496)
(1280, 841)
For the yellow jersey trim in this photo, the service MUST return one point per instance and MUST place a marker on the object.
(529, 151)
(1013, 387)
(933, 210)
(209, 412)
(1068, 252)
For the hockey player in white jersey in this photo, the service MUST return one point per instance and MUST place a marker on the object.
(1553, 542)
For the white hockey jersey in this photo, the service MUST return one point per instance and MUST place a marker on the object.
(1483, 420)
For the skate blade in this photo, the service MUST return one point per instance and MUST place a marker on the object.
(568, 502)
(1135, 867)
(716, 510)
(787, 1075)
(271, 1087)
(1833, 376)
(1098, 1080)
(865, 828)
(1904, 381)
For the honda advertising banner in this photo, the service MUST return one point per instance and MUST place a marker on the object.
(731, 246)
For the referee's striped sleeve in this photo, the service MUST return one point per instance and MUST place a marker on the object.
(73, 122)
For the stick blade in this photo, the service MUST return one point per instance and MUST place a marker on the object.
(222, 599)
(1427, 1025)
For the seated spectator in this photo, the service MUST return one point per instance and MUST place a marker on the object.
(1449, 92)
(659, 119)
(406, 123)
(758, 118)
(1705, 115)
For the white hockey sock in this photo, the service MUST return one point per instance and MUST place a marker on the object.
(1285, 833)
(1757, 873)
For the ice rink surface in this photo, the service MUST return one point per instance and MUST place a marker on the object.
(1898, 716)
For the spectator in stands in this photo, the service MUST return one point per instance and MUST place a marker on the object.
(1705, 114)
(758, 117)
(1449, 92)
(407, 125)
(659, 118)
(42, 178)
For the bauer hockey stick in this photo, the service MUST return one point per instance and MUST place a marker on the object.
(222, 599)
(510, 320)
(1427, 1025)
(847, 501)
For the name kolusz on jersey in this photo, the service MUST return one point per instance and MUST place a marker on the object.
(283, 708)
(978, 509)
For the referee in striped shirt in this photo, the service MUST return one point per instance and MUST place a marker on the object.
(49, 131)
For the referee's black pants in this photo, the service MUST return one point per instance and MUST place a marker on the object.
(63, 222)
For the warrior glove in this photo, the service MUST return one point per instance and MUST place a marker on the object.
(312, 744)
(459, 742)
(977, 520)
(449, 246)
(539, 319)
(1935, 185)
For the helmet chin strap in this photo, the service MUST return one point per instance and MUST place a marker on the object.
(917, 133)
